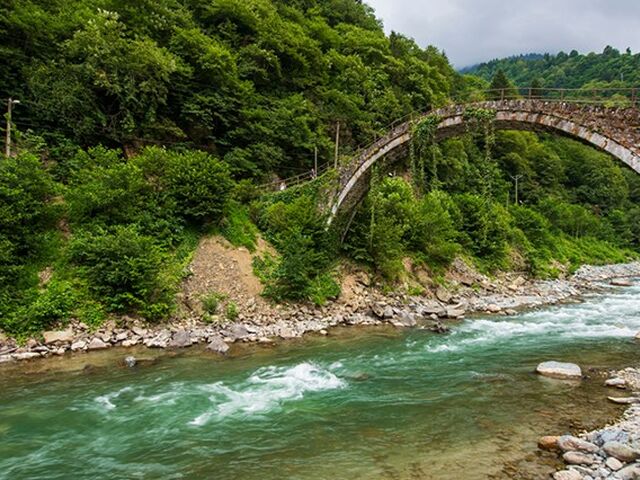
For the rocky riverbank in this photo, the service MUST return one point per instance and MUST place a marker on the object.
(466, 292)
(611, 453)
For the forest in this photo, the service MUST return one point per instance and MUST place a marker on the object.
(142, 128)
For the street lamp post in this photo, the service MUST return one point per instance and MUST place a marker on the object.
(10, 103)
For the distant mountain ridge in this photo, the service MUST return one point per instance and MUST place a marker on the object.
(609, 69)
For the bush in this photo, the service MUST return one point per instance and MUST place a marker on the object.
(211, 302)
(238, 228)
(43, 310)
(124, 269)
(306, 247)
(485, 228)
(232, 311)
(200, 185)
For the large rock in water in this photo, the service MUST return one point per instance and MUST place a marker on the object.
(559, 370)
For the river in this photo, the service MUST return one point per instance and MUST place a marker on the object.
(360, 404)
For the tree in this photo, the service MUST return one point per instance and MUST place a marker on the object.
(536, 88)
(501, 87)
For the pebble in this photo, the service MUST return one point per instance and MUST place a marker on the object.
(614, 464)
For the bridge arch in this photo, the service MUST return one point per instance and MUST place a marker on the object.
(612, 130)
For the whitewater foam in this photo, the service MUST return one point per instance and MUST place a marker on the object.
(266, 390)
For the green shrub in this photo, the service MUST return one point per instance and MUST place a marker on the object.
(231, 311)
(238, 228)
(484, 228)
(211, 302)
(124, 269)
(298, 231)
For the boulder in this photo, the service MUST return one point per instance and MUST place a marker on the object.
(25, 355)
(59, 336)
(216, 344)
(130, 361)
(578, 458)
(456, 313)
(548, 442)
(235, 332)
(569, 443)
(6, 358)
(493, 308)
(161, 340)
(559, 370)
(614, 464)
(567, 475)
(630, 472)
(97, 344)
(180, 339)
(130, 343)
(622, 452)
(443, 295)
(78, 345)
(141, 332)
(616, 382)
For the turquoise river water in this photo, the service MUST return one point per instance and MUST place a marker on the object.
(359, 404)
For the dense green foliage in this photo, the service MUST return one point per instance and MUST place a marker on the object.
(575, 205)
(144, 125)
(609, 69)
(260, 83)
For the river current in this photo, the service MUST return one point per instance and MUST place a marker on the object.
(361, 404)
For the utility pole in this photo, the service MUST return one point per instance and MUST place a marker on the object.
(337, 145)
(517, 179)
(10, 103)
(315, 161)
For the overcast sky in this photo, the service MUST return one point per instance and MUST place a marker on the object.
(472, 31)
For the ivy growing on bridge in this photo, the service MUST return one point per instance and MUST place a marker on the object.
(424, 153)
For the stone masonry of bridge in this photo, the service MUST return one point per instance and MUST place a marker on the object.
(613, 130)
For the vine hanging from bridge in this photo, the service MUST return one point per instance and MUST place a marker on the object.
(423, 149)
(480, 124)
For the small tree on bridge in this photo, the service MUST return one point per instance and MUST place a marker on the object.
(501, 87)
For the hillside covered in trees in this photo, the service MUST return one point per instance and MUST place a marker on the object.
(609, 69)
(144, 126)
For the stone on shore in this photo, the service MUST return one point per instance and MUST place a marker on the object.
(60, 336)
(567, 475)
(616, 382)
(622, 452)
(97, 344)
(216, 344)
(569, 443)
(630, 472)
(578, 458)
(180, 339)
(619, 282)
(614, 464)
(559, 370)
(548, 442)
(78, 345)
(624, 400)
(161, 340)
(26, 355)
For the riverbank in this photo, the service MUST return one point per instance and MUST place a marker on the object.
(611, 452)
(466, 293)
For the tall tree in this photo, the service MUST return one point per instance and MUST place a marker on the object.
(501, 87)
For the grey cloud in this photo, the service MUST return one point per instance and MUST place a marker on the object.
(471, 31)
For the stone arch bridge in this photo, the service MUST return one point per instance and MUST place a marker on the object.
(612, 129)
